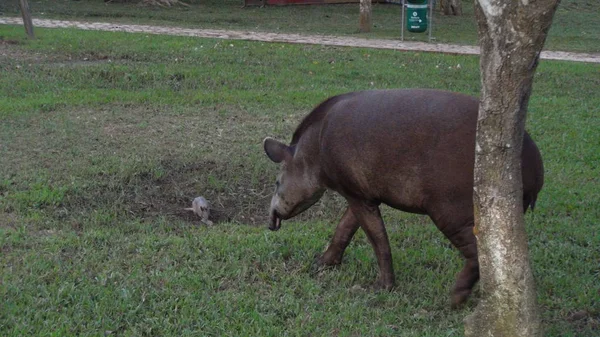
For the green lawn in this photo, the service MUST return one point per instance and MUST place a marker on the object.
(575, 26)
(104, 137)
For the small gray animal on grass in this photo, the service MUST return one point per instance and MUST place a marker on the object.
(202, 209)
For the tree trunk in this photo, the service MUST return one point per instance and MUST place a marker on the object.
(27, 21)
(365, 16)
(451, 7)
(511, 35)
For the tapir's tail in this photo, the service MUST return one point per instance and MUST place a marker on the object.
(530, 195)
(529, 201)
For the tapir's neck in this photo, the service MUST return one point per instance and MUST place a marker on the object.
(307, 151)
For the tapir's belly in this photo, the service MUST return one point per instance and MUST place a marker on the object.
(411, 188)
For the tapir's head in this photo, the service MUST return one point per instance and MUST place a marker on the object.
(298, 185)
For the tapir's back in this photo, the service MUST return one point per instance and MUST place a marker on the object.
(407, 148)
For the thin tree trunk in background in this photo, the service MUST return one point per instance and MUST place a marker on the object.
(451, 7)
(365, 16)
(511, 35)
(27, 18)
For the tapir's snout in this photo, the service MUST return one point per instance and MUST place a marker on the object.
(279, 214)
(275, 221)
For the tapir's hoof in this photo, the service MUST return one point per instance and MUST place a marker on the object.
(319, 264)
(383, 285)
(327, 260)
(459, 298)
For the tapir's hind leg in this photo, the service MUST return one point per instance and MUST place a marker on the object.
(344, 232)
(460, 233)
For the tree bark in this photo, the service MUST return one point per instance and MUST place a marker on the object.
(511, 36)
(365, 16)
(451, 7)
(27, 21)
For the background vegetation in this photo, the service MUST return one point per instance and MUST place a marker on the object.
(104, 137)
(575, 27)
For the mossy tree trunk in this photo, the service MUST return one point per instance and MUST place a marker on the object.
(511, 35)
(365, 23)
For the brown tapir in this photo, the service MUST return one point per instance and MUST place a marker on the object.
(410, 149)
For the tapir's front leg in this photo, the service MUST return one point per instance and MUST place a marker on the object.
(341, 239)
(370, 220)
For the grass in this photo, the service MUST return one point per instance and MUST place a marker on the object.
(104, 137)
(575, 25)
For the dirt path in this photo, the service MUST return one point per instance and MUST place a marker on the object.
(290, 38)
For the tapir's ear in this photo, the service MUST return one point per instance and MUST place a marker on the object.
(277, 151)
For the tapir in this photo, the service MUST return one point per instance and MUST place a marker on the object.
(411, 149)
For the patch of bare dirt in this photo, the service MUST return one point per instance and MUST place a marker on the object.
(7, 42)
(170, 194)
(148, 197)
(8, 220)
(10, 49)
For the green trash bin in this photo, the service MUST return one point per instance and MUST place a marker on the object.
(416, 16)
